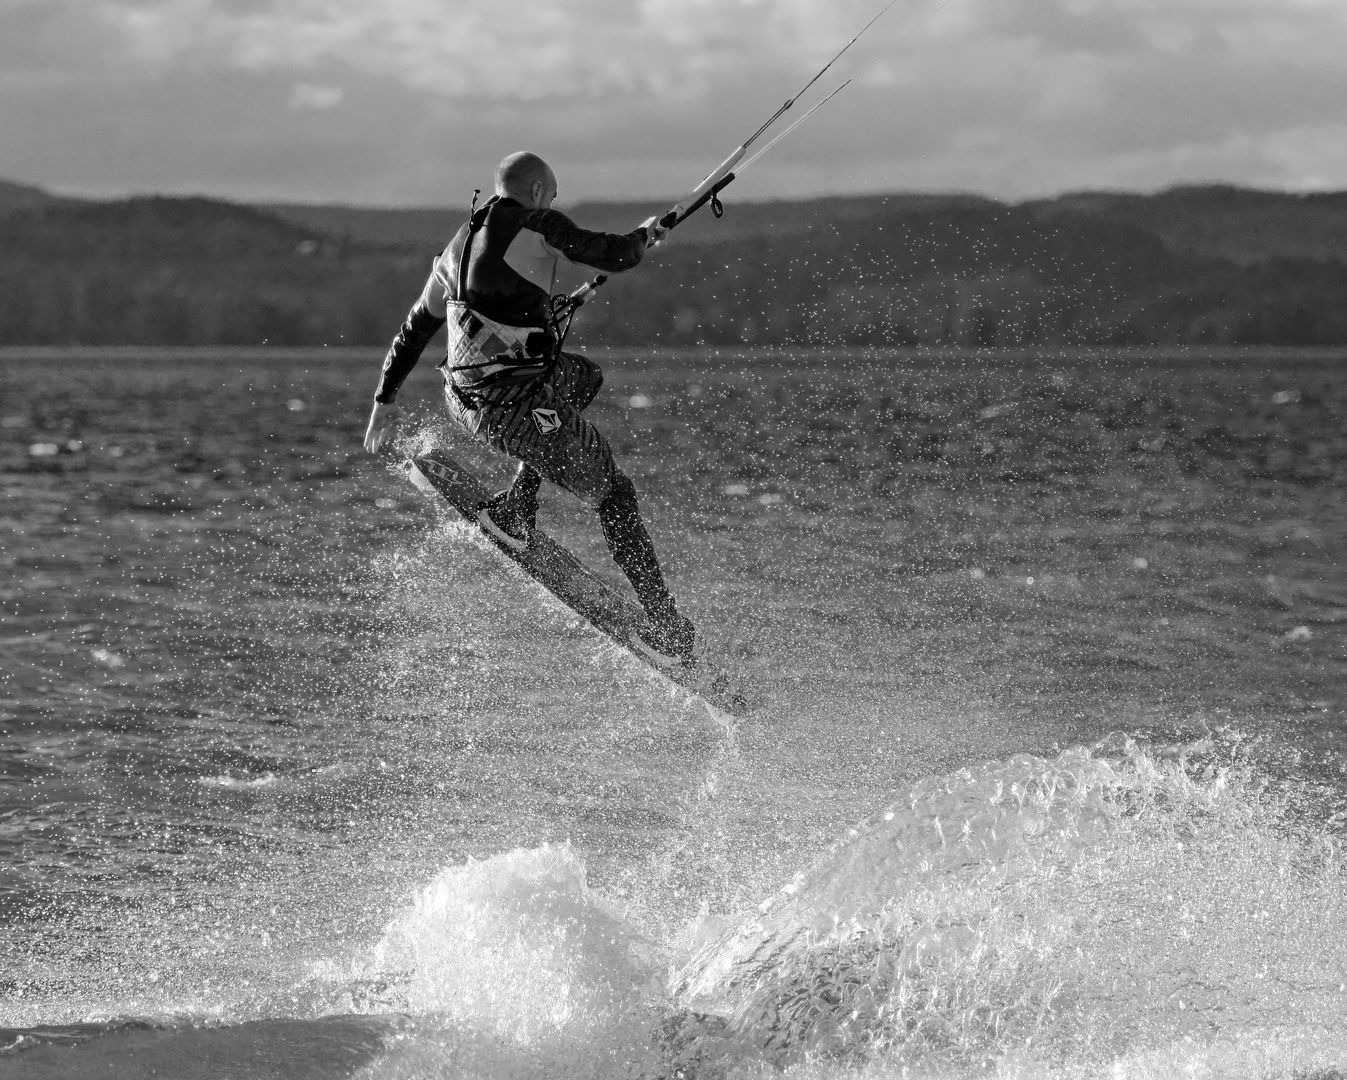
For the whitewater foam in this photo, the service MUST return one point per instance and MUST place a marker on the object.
(1109, 910)
(518, 951)
(1076, 913)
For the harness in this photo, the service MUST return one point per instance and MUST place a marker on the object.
(475, 222)
(561, 310)
(488, 355)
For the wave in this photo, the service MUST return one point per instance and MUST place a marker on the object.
(1110, 909)
(1114, 910)
(1093, 911)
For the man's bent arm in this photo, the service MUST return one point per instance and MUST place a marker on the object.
(422, 322)
(609, 253)
(411, 341)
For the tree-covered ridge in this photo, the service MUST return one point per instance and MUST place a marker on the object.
(159, 271)
(1190, 265)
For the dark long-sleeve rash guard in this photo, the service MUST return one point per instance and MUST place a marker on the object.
(511, 272)
(417, 330)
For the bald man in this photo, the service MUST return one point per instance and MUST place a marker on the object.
(507, 384)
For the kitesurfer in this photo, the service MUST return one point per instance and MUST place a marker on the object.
(507, 383)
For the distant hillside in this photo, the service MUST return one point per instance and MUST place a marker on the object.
(431, 228)
(22, 197)
(1238, 224)
(151, 271)
(1191, 265)
(427, 229)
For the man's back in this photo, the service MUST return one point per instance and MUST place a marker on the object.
(512, 266)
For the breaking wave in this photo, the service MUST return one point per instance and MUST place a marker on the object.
(1118, 910)
(1113, 908)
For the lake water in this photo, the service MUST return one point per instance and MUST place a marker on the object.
(1046, 774)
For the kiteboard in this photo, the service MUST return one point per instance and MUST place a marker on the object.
(571, 582)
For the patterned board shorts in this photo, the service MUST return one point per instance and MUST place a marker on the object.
(545, 429)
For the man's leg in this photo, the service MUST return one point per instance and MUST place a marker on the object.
(577, 380)
(549, 437)
(519, 502)
(629, 542)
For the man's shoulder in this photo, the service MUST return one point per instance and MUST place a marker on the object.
(543, 220)
(560, 231)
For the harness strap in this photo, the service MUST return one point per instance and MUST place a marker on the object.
(475, 223)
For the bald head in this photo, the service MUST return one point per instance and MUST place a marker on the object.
(528, 179)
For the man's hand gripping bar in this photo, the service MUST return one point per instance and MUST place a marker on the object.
(708, 190)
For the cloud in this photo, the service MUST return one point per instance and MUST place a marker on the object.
(308, 96)
(472, 49)
(1010, 97)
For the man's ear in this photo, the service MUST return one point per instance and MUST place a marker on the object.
(537, 191)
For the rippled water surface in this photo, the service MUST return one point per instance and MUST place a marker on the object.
(1047, 773)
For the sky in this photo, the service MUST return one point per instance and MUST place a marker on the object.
(412, 102)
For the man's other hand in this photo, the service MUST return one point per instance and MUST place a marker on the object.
(654, 231)
(382, 420)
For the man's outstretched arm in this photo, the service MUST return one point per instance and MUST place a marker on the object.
(422, 324)
(609, 253)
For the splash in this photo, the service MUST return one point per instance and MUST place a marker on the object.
(516, 953)
(1092, 911)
